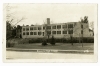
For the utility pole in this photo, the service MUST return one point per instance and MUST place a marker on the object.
(82, 35)
(79, 38)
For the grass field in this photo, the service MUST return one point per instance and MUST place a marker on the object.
(58, 46)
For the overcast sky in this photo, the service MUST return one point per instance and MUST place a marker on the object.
(58, 13)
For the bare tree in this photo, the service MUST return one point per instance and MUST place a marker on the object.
(9, 16)
(10, 20)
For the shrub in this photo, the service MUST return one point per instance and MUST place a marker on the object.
(9, 44)
(37, 40)
(88, 40)
(52, 40)
(75, 40)
(44, 43)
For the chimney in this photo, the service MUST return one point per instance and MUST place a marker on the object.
(48, 21)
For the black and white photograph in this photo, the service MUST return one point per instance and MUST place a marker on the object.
(50, 32)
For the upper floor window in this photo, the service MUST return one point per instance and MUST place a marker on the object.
(27, 29)
(31, 28)
(64, 26)
(43, 27)
(54, 27)
(23, 29)
(81, 26)
(70, 25)
(58, 32)
(39, 28)
(35, 28)
(58, 26)
(48, 27)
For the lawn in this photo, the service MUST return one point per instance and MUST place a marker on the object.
(58, 46)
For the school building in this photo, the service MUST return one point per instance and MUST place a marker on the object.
(59, 30)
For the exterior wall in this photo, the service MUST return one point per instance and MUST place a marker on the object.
(32, 36)
(76, 30)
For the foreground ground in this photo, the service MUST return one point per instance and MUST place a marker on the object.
(32, 55)
(58, 46)
(37, 51)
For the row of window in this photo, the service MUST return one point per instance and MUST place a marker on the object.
(49, 27)
(48, 32)
(31, 33)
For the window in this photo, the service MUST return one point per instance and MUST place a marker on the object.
(64, 26)
(81, 26)
(48, 27)
(27, 29)
(70, 32)
(35, 28)
(48, 32)
(23, 33)
(39, 28)
(31, 28)
(70, 25)
(43, 33)
(43, 27)
(20, 30)
(58, 32)
(64, 32)
(31, 33)
(27, 33)
(81, 31)
(54, 32)
(39, 33)
(54, 27)
(23, 29)
(58, 26)
(35, 33)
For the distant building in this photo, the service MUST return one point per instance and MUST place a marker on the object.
(60, 30)
(19, 31)
(91, 32)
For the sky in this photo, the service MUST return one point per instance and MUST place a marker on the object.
(58, 13)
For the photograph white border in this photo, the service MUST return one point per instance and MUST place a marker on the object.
(76, 1)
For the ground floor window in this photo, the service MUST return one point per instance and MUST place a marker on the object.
(58, 32)
(81, 31)
(27, 33)
(23, 33)
(31, 33)
(48, 32)
(54, 32)
(70, 31)
(39, 33)
(64, 32)
(43, 33)
(35, 33)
